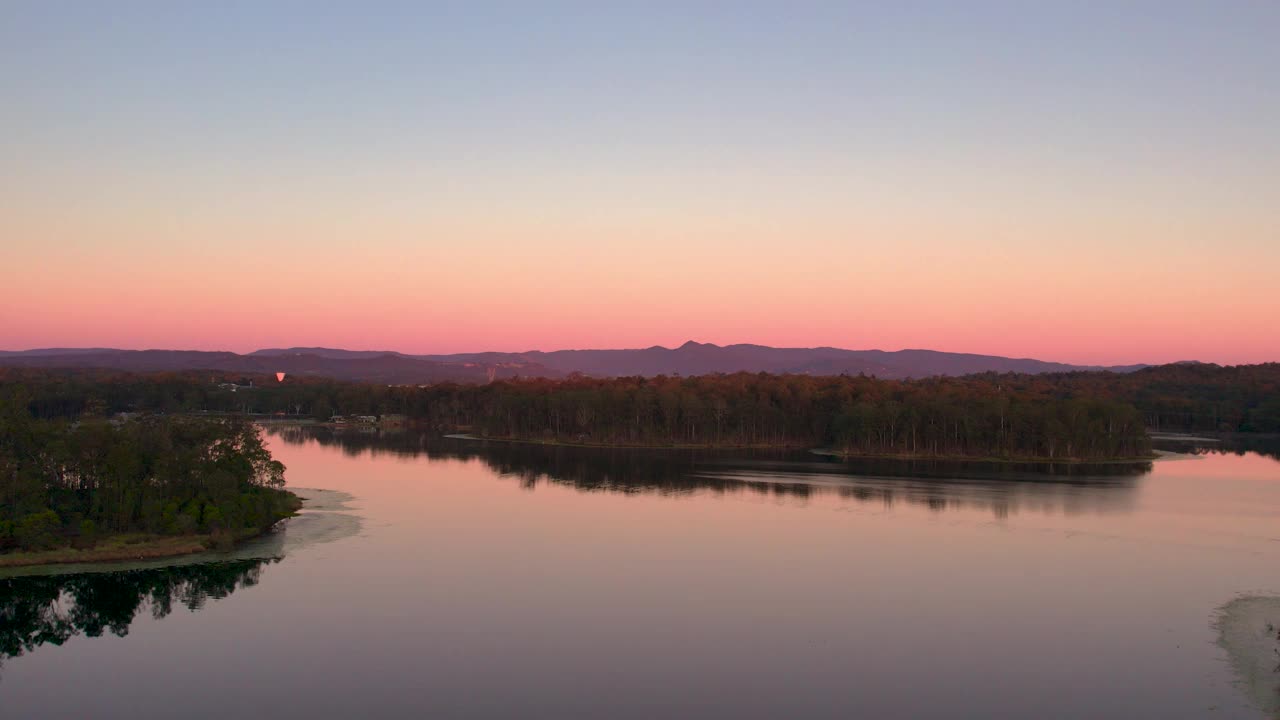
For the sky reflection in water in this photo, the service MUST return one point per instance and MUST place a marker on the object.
(490, 580)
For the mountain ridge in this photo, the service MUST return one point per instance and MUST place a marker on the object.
(689, 358)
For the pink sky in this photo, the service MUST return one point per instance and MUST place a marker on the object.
(1103, 290)
(118, 282)
(379, 271)
(1068, 184)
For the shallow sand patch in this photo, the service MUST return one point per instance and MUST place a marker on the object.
(1167, 455)
(1249, 630)
(1183, 437)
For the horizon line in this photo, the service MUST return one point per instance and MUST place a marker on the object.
(687, 343)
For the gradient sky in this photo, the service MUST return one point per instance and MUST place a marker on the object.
(1089, 182)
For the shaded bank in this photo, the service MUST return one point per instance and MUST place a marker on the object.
(116, 548)
(847, 454)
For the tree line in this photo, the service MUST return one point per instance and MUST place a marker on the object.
(1188, 397)
(998, 416)
(951, 417)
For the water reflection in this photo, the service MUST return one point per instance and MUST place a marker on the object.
(1000, 488)
(52, 609)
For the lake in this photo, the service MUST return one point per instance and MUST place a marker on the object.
(454, 578)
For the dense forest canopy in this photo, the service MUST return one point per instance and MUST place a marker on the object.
(1182, 397)
(857, 415)
(1190, 397)
(71, 480)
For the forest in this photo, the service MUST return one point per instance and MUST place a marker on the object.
(1188, 397)
(987, 416)
(851, 415)
(77, 479)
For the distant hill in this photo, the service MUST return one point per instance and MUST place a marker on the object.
(57, 351)
(691, 358)
(326, 353)
(694, 358)
(390, 368)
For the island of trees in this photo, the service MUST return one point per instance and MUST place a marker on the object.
(83, 486)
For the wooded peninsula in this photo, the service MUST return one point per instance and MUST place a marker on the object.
(87, 488)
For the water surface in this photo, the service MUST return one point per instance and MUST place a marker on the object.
(466, 579)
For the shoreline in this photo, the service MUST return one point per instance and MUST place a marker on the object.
(126, 547)
(986, 459)
(1158, 435)
(826, 452)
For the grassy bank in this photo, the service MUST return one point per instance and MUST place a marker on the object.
(142, 546)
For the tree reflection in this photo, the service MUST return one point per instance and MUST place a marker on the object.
(1000, 488)
(36, 610)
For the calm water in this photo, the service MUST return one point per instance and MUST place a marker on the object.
(464, 580)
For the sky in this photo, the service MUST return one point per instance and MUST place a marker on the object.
(1081, 182)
